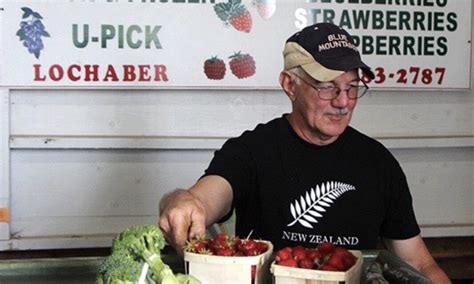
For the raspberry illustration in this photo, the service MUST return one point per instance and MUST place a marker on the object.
(214, 68)
(265, 8)
(235, 14)
(31, 30)
(242, 65)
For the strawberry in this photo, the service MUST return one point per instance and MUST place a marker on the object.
(242, 22)
(299, 253)
(306, 263)
(328, 267)
(242, 65)
(313, 253)
(251, 252)
(234, 12)
(218, 243)
(248, 247)
(237, 243)
(325, 248)
(214, 68)
(348, 261)
(265, 8)
(282, 254)
(196, 245)
(288, 262)
(224, 252)
(347, 257)
(221, 237)
(262, 247)
(335, 260)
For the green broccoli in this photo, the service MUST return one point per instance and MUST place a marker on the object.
(149, 235)
(119, 267)
(135, 249)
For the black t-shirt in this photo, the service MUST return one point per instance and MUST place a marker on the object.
(291, 192)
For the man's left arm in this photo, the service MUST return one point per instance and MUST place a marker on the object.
(414, 252)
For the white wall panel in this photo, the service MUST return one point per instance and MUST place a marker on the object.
(138, 113)
(224, 113)
(58, 193)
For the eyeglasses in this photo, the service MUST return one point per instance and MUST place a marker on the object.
(330, 92)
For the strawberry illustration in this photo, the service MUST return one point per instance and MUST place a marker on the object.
(242, 65)
(265, 8)
(234, 13)
(214, 68)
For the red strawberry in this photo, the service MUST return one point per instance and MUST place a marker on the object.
(326, 248)
(288, 262)
(252, 252)
(306, 263)
(348, 261)
(214, 68)
(347, 257)
(237, 242)
(225, 251)
(328, 267)
(215, 244)
(242, 22)
(282, 254)
(313, 253)
(234, 12)
(265, 8)
(299, 253)
(248, 246)
(335, 260)
(262, 247)
(242, 65)
(221, 237)
(196, 245)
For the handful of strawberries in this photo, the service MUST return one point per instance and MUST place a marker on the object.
(223, 245)
(325, 256)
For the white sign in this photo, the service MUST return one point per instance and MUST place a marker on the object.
(422, 44)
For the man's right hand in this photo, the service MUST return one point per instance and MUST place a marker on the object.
(182, 217)
(185, 214)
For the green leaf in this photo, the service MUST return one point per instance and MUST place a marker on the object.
(37, 15)
(45, 34)
(222, 10)
(26, 12)
(37, 54)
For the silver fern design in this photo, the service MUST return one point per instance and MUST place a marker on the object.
(311, 204)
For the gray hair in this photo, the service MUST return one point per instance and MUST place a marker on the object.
(299, 72)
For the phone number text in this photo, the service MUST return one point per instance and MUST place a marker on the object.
(411, 75)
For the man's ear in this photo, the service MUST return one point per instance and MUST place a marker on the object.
(288, 85)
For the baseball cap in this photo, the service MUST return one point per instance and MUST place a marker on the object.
(324, 51)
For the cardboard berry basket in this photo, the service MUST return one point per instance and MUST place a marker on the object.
(290, 275)
(213, 269)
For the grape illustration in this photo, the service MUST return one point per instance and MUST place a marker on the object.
(31, 31)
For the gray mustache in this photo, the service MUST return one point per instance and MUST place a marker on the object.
(339, 111)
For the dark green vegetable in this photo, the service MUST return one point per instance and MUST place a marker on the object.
(136, 254)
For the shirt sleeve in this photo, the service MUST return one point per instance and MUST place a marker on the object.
(400, 221)
(234, 163)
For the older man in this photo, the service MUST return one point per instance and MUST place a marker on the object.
(307, 176)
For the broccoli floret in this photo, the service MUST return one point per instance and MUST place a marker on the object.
(119, 267)
(150, 236)
(131, 250)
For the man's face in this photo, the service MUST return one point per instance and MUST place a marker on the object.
(323, 119)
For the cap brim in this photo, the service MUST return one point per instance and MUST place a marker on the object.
(348, 63)
(295, 55)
